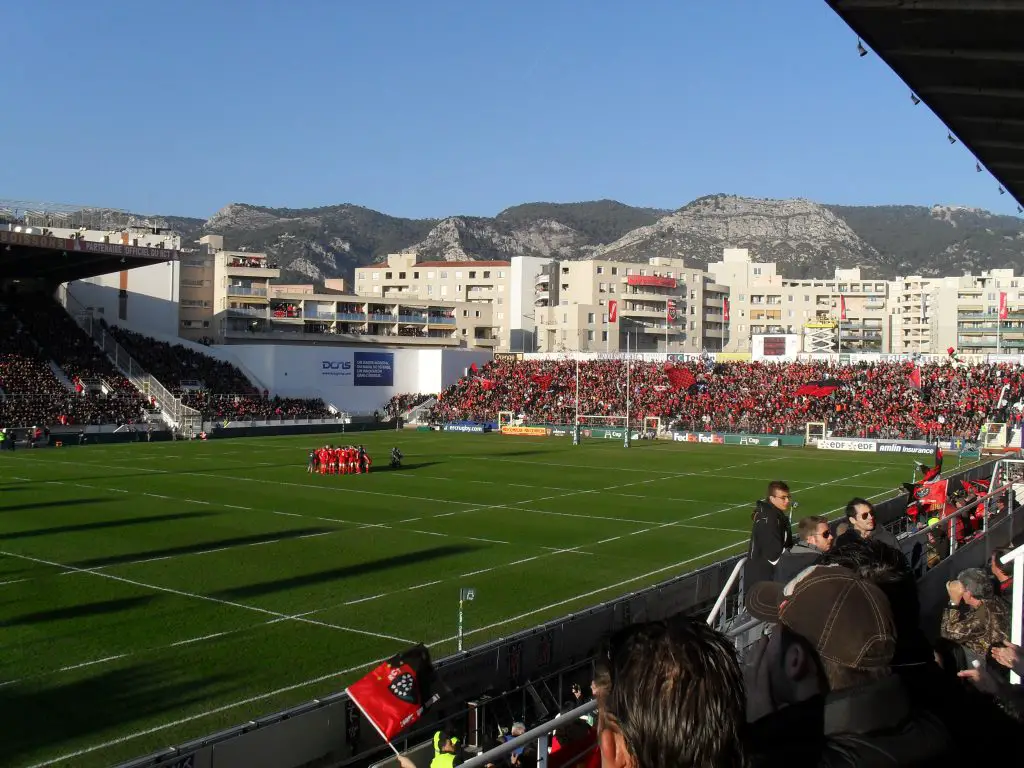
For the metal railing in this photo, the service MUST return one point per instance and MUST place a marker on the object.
(180, 414)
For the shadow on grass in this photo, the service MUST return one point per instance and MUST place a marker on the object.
(406, 466)
(206, 546)
(344, 572)
(56, 503)
(99, 525)
(80, 611)
(40, 718)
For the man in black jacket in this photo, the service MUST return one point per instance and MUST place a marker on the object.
(814, 539)
(770, 535)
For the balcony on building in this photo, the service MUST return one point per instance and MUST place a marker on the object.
(242, 309)
(286, 311)
(542, 281)
(248, 289)
(542, 298)
(651, 285)
(250, 265)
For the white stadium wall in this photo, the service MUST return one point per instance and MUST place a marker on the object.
(149, 304)
(354, 379)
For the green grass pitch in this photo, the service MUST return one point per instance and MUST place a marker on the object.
(152, 593)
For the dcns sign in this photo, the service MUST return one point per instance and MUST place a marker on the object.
(335, 367)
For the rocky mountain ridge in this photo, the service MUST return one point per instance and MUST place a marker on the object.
(806, 238)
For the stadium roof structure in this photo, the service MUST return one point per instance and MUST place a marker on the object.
(58, 259)
(965, 60)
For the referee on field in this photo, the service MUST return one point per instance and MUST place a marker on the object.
(771, 534)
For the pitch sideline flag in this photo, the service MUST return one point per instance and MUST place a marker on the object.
(395, 694)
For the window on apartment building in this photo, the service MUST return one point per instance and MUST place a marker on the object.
(604, 335)
(565, 317)
(415, 275)
(477, 313)
(789, 298)
(487, 274)
(401, 275)
(615, 270)
(458, 288)
(501, 274)
(463, 331)
(590, 317)
(430, 290)
(590, 335)
(602, 287)
(472, 275)
(643, 273)
(458, 274)
(604, 317)
(565, 270)
(387, 275)
(564, 335)
(465, 313)
(693, 310)
(693, 295)
(499, 300)
(375, 276)
(564, 302)
(741, 297)
(806, 297)
(790, 313)
(501, 315)
(693, 325)
(991, 297)
(757, 270)
(444, 290)
(611, 287)
(600, 270)
(629, 270)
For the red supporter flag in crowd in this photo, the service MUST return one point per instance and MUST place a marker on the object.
(915, 378)
(931, 493)
(613, 311)
(680, 378)
(822, 388)
(395, 694)
(544, 380)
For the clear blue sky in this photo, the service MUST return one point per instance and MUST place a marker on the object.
(459, 106)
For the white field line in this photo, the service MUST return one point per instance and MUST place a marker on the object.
(205, 598)
(70, 757)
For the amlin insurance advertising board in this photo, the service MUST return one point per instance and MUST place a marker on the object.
(358, 369)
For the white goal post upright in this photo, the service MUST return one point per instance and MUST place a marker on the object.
(815, 431)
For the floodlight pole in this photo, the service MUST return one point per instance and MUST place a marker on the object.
(629, 366)
(576, 423)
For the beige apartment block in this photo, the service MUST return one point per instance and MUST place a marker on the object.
(763, 302)
(662, 306)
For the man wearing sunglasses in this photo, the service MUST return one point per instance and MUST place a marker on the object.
(861, 515)
(815, 538)
(771, 534)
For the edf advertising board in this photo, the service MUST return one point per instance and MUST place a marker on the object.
(360, 369)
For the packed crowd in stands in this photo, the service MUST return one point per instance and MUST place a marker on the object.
(172, 364)
(254, 407)
(35, 330)
(865, 400)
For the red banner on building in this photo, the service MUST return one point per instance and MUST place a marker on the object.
(1004, 311)
(613, 311)
(651, 281)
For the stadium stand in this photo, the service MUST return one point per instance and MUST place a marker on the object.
(863, 400)
(400, 404)
(221, 391)
(35, 331)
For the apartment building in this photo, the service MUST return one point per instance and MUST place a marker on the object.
(844, 313)
(500, 285)
(661, 306)
(936, 313)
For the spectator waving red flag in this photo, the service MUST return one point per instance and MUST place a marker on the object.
(680, 378)
(915, 378)
(395, 694)
(931, 493)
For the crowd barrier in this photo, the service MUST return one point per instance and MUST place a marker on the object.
(331, 731)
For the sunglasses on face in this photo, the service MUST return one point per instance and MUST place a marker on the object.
(866, 515)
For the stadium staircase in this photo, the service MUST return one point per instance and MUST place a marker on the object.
(168, 408)
(419, 414)
(61, 376)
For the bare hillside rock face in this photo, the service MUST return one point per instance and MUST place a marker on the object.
(806, 238)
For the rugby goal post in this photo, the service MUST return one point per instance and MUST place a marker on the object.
(816, 430)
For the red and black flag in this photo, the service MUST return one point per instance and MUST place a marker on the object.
(915, 378)
(543, 380)
(927, 493)
(395, 694)
(680, 378)
(821, 388)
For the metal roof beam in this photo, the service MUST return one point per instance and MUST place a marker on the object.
(1012, 122)
(993, 144)
(1001, 6)
(971, 54)
(965, 90)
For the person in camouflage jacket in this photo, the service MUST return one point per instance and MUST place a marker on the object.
(976, 618)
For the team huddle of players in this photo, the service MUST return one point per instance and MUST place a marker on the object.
(339, 460)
